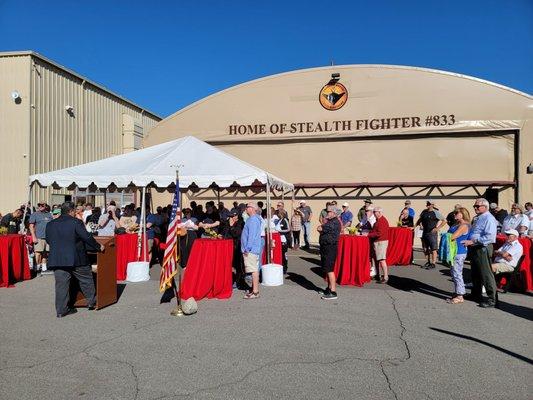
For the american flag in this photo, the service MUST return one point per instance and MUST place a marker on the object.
(171, 258)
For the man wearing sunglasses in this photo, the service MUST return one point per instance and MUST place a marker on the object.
(480, 247)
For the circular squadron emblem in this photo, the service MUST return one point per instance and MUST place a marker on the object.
(333, 96)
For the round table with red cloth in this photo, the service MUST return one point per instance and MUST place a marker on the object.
(14, 263)
(400, 248)
(526, 272)
(208, 273)
(352, 266)
(126, 248)
(275, 253)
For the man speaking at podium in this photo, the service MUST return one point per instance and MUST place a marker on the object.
(68, 240)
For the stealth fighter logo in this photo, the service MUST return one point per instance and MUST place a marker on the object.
(333, 95)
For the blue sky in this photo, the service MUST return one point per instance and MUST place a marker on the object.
(164, 55)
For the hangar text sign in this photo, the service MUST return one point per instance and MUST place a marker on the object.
(375, 124)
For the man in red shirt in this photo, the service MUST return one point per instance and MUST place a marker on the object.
(379, 235)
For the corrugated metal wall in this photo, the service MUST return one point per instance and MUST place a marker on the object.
(14, 131)
(92, 131)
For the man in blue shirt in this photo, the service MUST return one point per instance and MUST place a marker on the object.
(346, 216)
(410, 209)
(480, 245)
(251, 248)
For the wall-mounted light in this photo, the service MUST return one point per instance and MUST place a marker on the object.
(69, 110)
(16, 97)
(530, 169)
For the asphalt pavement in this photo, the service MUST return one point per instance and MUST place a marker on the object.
(396, 341)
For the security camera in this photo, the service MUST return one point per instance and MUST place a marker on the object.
(530, 169)
(69, 109)
(15, 95)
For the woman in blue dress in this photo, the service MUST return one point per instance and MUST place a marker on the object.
(460, 232)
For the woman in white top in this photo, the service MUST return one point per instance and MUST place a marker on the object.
(516, 220)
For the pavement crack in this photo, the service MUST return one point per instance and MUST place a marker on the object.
(403, 330)
(382, 365)
(83, 350)
(121, 362)
(261, 367)
(402, 326)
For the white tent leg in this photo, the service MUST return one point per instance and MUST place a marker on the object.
(142, 225)
(268, 236)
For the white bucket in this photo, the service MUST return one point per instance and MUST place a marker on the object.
(138, 271)
(272, 275)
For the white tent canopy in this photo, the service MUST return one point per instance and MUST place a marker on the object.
(199, 163)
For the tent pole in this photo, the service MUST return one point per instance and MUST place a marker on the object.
(268, 236)
(22, 225)
(141, 225)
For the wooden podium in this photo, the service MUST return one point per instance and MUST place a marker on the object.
(105, 279)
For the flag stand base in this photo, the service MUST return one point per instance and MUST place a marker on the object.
(177, 312)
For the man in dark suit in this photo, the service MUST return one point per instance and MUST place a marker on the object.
(69, 240)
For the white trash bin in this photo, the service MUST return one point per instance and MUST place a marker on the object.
(272, 275)
(138, 271)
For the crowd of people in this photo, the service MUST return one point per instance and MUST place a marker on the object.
(246, 225)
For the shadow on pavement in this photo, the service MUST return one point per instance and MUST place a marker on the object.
(120, 290)
(311, 260)
(508, 352)
(302, 281)
(410, 285)
(515, 309)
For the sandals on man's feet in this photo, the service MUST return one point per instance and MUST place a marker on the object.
(251, 295)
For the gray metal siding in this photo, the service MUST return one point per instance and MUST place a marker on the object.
(14, 132)
(41, 127)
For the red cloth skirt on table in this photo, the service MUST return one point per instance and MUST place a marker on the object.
(276, 255)
(400, 248)
(209, 273)
(126, 247)
(352, 266)
(14, 263)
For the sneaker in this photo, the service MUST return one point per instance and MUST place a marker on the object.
(324, 291)
(329, 296)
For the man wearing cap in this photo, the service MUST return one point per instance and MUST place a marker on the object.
(379, 235)
(307, 214)
(508, 255)
(251, 246)
(480, 247)
(38, 221)
(346, 216)
(328, 241)
(362, 211)
(431, 221)
(409, 208)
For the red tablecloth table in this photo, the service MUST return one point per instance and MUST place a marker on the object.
(400, 248)
(126, 247)
(352, 266)
(276, 253)
(526, 271)
(208, 273)
(14, 263)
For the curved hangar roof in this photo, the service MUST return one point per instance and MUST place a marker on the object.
(380, 100)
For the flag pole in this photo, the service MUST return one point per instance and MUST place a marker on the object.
(178, 311)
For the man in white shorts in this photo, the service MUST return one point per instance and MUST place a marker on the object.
(251, 248)
(38, 221)
(509, 254)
